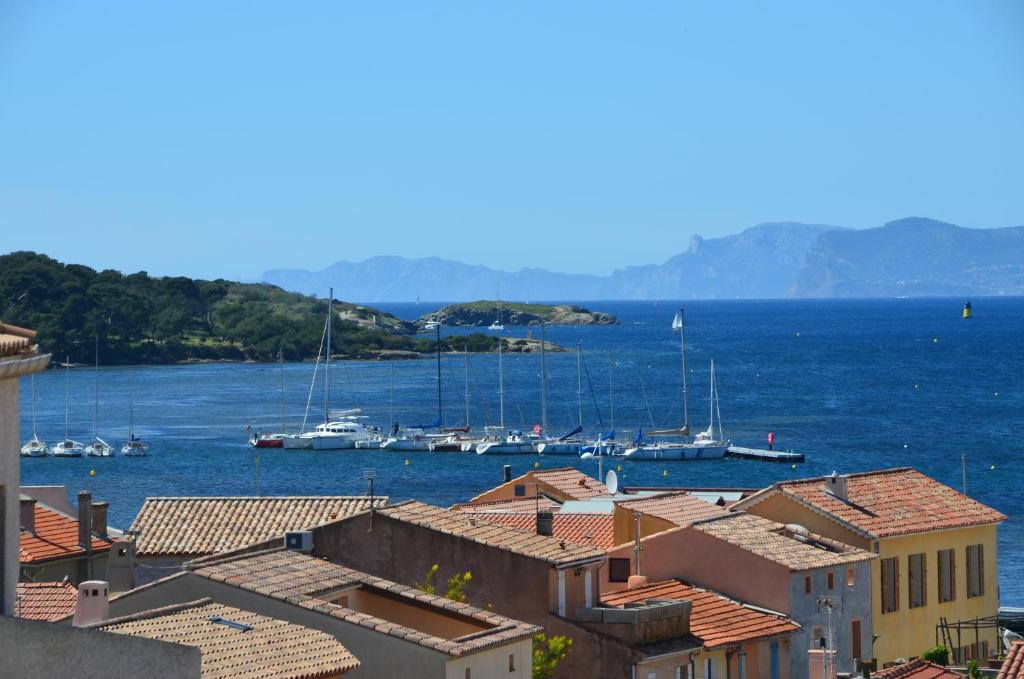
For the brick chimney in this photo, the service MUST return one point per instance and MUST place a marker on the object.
(99, 518)
(28, 514)
(85, 520)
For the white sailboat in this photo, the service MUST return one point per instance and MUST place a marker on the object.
(34, 447)
(67, 447)
(497, 325)
(134, 446)
(569, 444)
(706, 445)
(98, 447)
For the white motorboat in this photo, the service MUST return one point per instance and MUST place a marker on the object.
(341, 434)
(67, 447)
(34, 447)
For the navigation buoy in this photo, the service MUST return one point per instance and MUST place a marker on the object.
(798, 333)
(967, 310)
(935, 340)
(905, 445)
(407, 463)
(793, 467)
(619, 468)
(664, 473)
(992, 468)
(917, 386)
(536, 465)
(995, 393)
(92, 472)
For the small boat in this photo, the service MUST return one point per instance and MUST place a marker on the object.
(341, 434)
(67, 447)
(98, 447)
(134, 446)
(497, 324)
(261, 440)
(514, 443)
(967, 310)
(34, 447)
(567, 444)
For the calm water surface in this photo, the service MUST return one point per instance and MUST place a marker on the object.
(854, 385)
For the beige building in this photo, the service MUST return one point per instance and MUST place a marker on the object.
(18, 358)
(936, 551)
(394, 630)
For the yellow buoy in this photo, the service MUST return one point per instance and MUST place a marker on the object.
(536, 465)
(967, 310)
(407, 463)
(993, 468)
(665, 473)
(92, 472)
(619, 468)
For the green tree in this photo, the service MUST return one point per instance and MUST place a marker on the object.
(548, 652)
(937, 654)
(973, 671)
(455, 586)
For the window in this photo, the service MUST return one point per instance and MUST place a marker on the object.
(890, 584)
(652, 675)
(741, 665)
(468, 674)
(975, 570)
(947, 575)
(831, 580)
(850, 579)
(807, 584)
(618, 570)
(511, 662)
(855, 650)
(679, 672)
(691, 669)
(774, 661)
(520, 490)
(917, 577)
(818, 638)
(709, 669)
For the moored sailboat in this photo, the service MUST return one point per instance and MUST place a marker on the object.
(67, 447)
(134, 446)
(34, 447)
(98, 447)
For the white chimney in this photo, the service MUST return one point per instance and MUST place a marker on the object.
(837, 486)
(93, 604)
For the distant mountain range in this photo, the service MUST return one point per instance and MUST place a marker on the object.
(913, 257)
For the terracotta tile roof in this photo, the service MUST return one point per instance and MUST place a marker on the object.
(518, 505)
(571, 482)
(769, 540)
(917, 669)
(192, 526)
(45, 600)
(15, 341)
(558, 552)
(271, 649)
(313, 583)
(1013, 666)
(55, 537)
(680, 508)
(716, 619)
(893, 502)
(595, 530)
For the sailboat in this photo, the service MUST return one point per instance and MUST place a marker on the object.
(497, 324)
(518, 442)
(34, 447)
(605, 443)
(414, 438)
(706, 445)
(134, 446)
(98, 447)
(569, 443)
(261, 440)
(67, 447)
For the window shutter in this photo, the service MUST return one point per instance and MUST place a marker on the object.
(952, 575)
(981, 570)
(924, 579)
(896, 584)
(885, 585)
(943, 584)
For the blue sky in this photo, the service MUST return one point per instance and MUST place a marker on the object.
(223, 139)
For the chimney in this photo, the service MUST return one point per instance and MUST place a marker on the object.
(99, 518)
(92, 605)
(545, 523)
(636, 581)
(85, 520)
(507, 470)
(837, 486)
(28, 514)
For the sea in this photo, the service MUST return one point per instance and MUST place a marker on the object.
(852, 384)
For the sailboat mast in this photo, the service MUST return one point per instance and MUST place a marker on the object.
(465, 353)
(131, 409)
(34, 406)
(67, 392)
(96, 392)
(391, 394)
(280, 356)
(682, 360)
(718, 413)
(543, 382)
(579, 384)
(440, 415)
(711, 400)
(501, 387)
(611, 402)
(327, 365)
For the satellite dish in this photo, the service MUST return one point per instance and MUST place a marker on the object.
(612, 481)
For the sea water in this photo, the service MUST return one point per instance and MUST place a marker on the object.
(854, 385)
